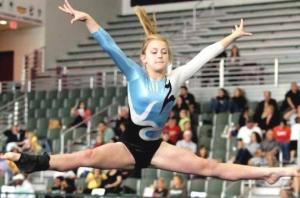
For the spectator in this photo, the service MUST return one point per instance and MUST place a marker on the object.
(254, 144)
(82, 172)
(234, 54)
(246, 152)
(174, 114)
(203, 152)
(292, 115)
(14, 137)
(81, 114)
(282, 134)
(24, 188)
(194, 113)
(184, 117)
(179, 105)
(188, 127)
(165, 137)
(187, 97)
(243, 155)
(238, 102)
(93, 180)
(234, 65)
(112, 182)
(220, 103)
(266, 155)
(160, 189)
(99, 141)
(187, 143)
(69, 182)
(270, 120)
(292, 98)
(246, 131)
(106, 132)
(178, 188)
(262, 107)
(122, 120)
(294, 139)
(246, 114)
(57, 190)
(173, 131)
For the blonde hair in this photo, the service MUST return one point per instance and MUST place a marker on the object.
(150, 29)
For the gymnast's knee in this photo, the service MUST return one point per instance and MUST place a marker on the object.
(88, 155)
(208, 167)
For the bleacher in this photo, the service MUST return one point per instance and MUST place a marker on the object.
(275, 27)
(47, 105)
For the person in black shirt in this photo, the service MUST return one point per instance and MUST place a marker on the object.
(292, 98)
(220, 103)
(113, 181)
(160, 189)
(15, 134)
(179, 105)
(122, 121)
(270, 120)
(238, 102)
(187, 97)
(261, 108)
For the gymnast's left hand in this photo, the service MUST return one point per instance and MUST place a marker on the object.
(239, 31)
(77, 15)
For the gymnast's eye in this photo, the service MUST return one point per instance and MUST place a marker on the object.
(164, 51)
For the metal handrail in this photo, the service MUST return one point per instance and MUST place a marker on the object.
(271, 67)
(71, 129)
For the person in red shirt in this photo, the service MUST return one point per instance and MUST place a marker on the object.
(282, 134)
(81, 115)
(173, 130)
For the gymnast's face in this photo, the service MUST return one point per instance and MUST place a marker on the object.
(156, 56)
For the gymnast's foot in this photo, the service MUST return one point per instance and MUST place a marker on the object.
(28, 163)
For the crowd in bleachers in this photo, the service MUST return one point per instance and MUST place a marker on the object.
(262, 133)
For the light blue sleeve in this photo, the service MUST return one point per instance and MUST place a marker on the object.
(127, 66)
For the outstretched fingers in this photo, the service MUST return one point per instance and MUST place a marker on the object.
(241, 29)
(242, 23)
(248, 34)
(68, 5)
(64, 10)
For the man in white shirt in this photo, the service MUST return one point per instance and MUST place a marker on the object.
(187, 143)
(246, 131)
(24, 188)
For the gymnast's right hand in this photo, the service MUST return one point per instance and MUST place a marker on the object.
(77, 15)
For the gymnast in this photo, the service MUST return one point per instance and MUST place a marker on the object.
(151, 95)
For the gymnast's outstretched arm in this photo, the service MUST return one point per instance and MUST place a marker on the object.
(186, 71)
(126, 65)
